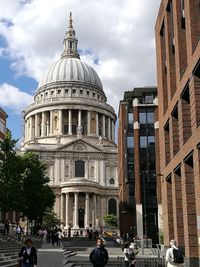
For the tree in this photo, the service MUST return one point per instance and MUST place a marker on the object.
(10, 176)
(38, 196)
(111, 220)
(50, 218)
(23, 182)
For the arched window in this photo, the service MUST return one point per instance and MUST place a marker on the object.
(79, 168)
(112, 206)
(112, 181)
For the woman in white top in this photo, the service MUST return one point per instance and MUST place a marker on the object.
(170, 255)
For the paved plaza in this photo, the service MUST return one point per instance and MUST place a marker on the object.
(52, 256)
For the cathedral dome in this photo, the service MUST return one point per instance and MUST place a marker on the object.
(71, 69)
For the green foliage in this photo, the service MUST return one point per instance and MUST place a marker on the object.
(10, 176)
(111, 220)
(38, 195)
(23, 182)
(50, 218)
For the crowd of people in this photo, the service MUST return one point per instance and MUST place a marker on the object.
(99, 255)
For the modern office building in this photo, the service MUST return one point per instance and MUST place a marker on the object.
(138, 164)
(72, 127)
(178, 73)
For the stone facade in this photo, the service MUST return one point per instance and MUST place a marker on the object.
(178, 75)
(73, 129)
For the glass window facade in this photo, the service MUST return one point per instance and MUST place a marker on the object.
(130, 118)
(130, 142)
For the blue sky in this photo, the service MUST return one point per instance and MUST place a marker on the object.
(114, 38)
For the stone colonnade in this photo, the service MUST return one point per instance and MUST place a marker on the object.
(70, 207)
(67, 121)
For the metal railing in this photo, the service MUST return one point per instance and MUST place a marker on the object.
(144, 262)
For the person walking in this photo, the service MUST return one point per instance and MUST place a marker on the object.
(99, 255)
(7, 228)
(128, 254)
(18, 233)
(174, 256)
(28, 255)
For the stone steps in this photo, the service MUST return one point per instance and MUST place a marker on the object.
(9, 250)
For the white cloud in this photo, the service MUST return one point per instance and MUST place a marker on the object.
(11, 97)
(119, 33)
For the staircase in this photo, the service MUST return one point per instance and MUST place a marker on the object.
(9, 250)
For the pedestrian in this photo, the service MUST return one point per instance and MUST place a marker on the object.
(7, 228)
(174, 256)
(90, 235)
(18, 233)
(28, 255)
(128, 255)
(99, 255)
(59, 237)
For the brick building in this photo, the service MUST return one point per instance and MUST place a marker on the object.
(178, 72)
(138, 164)
(3, 129)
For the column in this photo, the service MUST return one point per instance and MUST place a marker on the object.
(62, 207)
(109, 128)
(94, 210)
(75, 221)
(43, 124)
(87, 210)
(51, 122)
(70, 122)
(47, 128)
(60, 121)
(88, 122)
(104, 125)
(79, 117)
(25, 134)
(67, 211)
(31, 127)
(36, 125)
(97, 124)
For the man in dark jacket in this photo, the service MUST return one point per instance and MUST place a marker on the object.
(99, 255)
(28, 255)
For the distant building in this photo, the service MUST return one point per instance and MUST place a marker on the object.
(72, 127)
(178, 74)
(138, 164)
(3, 129)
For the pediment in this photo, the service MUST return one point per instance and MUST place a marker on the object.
(79, 146)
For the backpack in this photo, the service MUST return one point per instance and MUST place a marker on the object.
(178, 256)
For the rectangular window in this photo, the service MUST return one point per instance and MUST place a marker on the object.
(2, 127)
(151, 141)
(130, 118)
(79, 168)
(142, 117)
(150, 117)
(149, 98)
(65, 129)
(143, 141)
(130, 142)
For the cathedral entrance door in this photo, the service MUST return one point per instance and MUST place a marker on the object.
(81, 213)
